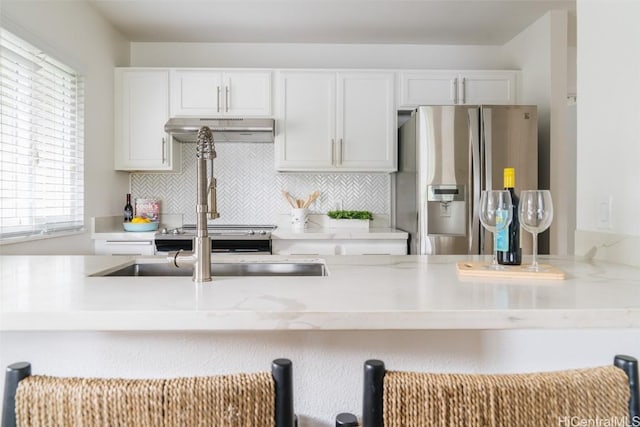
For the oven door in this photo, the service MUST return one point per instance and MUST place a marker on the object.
(218, 246)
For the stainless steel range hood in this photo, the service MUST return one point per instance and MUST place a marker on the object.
(185, 129)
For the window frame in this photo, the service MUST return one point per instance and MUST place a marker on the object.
(50, 125)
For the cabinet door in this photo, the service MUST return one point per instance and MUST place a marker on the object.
(196, 93)
(124, 247)
(141, 110)
(365, 122)
(487, 87)
(427, 88)
(247, 93)
(305, 112)
(356, 246)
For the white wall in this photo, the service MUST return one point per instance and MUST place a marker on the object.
(562, 161)
(290, 55)
(74, 33)
(530, 52)
(541, 52)
(608, 133)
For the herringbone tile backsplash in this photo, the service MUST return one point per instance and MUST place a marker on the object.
(249, 188)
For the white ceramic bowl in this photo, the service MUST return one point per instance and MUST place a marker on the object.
(143, 226)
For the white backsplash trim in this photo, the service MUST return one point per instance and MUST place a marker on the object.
(249, 188)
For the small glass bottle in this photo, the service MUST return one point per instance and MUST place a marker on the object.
(128, 209)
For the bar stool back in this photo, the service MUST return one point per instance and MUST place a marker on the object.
(244, 399)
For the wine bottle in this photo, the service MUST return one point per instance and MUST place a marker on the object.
(508, 240)
(128, 209)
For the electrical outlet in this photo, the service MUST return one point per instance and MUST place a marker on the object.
(603, 212)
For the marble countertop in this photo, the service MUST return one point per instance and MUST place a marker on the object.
(320, 227)
(317, 233)
(361, 292)
(110, 228)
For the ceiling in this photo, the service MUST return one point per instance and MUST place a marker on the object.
(485, 22)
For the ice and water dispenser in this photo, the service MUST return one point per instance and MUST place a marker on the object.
(446, 210)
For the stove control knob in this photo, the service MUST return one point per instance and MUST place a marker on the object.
(176, 231)
(251, 232)
(164, 230)
(263, 232)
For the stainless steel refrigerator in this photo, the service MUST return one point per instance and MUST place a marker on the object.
(447, 156)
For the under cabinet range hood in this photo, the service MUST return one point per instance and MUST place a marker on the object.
(185, 129)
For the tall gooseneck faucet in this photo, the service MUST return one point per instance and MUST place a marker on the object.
(200, 257)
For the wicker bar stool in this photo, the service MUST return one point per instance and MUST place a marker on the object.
(606, 395)
(235, 400)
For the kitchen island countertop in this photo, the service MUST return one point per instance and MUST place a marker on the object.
(360, 292)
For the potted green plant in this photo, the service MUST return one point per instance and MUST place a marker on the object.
(349, 219)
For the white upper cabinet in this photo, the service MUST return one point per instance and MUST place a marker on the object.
(335, 121)
(488, 87)
(457, 87)
(215, 93)
(141, 111)
(366, 122)
(305, 120)
(427, 88)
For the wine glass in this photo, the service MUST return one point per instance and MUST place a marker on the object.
(535, 214)
(495, 216)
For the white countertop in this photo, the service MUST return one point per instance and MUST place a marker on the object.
(361, 292)
(320, 228)
(381, 233)
(110, 228)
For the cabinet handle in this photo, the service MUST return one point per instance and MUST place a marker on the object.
(333, 150)
(226, 99)
(340, 154)
(463, 95)
(128, 242)
(454, 90)
(218, 99)
(164, 147)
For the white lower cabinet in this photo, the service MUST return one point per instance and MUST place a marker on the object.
(124, 247)
(339, 247)
(335, 121)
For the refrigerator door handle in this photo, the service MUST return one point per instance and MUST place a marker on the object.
(488, 147)
(475, 177)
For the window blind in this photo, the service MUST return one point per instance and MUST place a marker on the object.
(41, 142)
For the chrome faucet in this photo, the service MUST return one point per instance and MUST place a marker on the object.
(200, 257)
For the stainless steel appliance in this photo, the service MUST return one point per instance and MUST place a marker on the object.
(225, 239)
(447, 156)
(185, 129)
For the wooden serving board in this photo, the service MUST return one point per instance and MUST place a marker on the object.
(479, 269)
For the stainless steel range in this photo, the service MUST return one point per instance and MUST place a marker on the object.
(225, 239)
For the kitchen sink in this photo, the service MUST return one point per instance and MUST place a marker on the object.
(222, 269)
